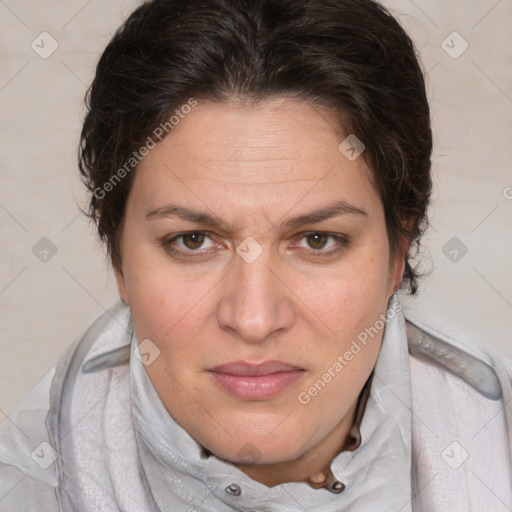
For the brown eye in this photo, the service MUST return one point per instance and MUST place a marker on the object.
(317, 241)
(193, 241)
(188, 245)
(320, 244)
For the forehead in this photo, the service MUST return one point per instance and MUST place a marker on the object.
(283, 149)
(267, 137)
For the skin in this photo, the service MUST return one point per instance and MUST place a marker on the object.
(254, 167)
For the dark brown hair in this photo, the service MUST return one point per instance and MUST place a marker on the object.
(350, 56)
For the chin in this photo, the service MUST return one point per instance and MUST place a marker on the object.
(253, 451)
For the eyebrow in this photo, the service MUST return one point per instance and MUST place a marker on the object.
(334, 210)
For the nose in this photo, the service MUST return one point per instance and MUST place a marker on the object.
(255, 301)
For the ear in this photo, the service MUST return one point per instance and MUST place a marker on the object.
(397, 272)
(398, 265)
(121, 283)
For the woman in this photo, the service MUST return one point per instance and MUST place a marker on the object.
(260, 173)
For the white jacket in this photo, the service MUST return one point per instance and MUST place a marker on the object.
(93, 435)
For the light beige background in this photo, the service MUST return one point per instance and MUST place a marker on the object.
(44, 306)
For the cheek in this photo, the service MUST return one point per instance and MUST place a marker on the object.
(176, 314)
(158, 298)
(351, 306)
(161, 307)
(357, 292)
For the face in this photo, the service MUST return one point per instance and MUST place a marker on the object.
(249, 237)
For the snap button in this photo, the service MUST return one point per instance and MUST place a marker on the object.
(335, 486)
(233, 489)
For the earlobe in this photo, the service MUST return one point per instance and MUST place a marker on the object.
(395, 275)
(399, 264)
(121, 284)
(399, 275)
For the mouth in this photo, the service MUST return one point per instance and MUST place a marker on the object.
(250, 381)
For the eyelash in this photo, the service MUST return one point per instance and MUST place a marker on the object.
(342, 242)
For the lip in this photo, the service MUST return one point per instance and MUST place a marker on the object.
(250, 369)
(251, 381)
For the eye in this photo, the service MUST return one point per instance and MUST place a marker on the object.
(190, 243)
(318, 243)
